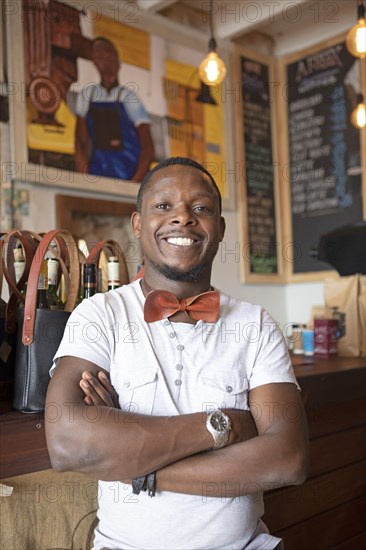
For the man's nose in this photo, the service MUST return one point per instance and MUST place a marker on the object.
(182, 215)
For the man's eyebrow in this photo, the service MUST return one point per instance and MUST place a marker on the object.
(160, 195)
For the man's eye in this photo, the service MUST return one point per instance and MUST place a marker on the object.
(162, 206)
(202, 208)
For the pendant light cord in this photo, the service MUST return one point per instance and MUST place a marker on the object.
(212, 42)
(361, 10)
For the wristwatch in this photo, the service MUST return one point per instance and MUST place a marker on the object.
(219, 425)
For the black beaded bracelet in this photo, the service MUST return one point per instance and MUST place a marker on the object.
(138, 484)
(151, 484)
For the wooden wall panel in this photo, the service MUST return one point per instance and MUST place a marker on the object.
(337, 450)
(291, 505)
(327, 529)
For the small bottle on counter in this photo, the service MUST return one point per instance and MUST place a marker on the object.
(297, 343)
(42, 298)
(113, 273)
(53, 298)
(90, 280)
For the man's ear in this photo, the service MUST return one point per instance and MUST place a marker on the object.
(136, 224)
(222, 228)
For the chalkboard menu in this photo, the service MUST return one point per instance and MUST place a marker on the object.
(324, 149)
(261, 252)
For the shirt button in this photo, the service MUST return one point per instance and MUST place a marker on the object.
(229, 389)
(178, 382)
(166, 322)
(126, 384)
(180, 347)
(179, 367)
(171, 335)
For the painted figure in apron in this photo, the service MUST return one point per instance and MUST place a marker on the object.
(113, 129)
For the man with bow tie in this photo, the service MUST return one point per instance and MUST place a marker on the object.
(173, 372)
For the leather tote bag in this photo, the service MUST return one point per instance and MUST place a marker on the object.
(39, 331)
(26, 243)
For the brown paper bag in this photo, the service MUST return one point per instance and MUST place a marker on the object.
(343, 294)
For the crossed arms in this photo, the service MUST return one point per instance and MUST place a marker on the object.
(87, 432)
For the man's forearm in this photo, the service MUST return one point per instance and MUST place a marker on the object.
(245, 468)
(111, 444)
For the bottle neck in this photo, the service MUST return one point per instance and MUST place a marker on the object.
(90, 280)
(113, 274)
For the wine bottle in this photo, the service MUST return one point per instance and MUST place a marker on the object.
(90, 280)
(42, 298)
(113, 273)
(19, 265)
(53, 298)
(80, 297)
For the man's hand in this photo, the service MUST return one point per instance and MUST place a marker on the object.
(98, 390)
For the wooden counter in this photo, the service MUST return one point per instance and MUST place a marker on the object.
(328, 510)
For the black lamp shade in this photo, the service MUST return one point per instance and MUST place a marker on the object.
(205, 95)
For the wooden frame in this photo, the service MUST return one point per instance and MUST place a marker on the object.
(79, 214)
(22, 169)
(247, 274)
(284, 147)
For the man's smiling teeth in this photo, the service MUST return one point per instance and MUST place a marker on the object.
(180, 241)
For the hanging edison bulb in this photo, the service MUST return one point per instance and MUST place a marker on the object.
(358, 115)
(212, 69)
(356, 37)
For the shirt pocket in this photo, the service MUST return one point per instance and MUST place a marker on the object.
(136, 388)
(225, 390)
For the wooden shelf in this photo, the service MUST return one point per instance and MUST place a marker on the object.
(23, 446)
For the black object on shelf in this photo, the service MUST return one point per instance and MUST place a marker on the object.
(344, 249)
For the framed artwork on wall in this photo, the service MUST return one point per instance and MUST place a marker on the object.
(91, 220)
(90, 108)
(323, 156)
(259, 186)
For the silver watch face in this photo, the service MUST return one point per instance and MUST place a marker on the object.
(219, 421)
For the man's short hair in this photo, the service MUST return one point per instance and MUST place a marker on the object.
(105, 41)
(172, 161)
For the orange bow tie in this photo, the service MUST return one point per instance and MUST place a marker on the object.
(161, 304)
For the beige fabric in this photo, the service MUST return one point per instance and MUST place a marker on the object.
(48, 511)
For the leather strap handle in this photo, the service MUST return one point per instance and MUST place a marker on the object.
(110, 248)
(29, 241)
(72, 281)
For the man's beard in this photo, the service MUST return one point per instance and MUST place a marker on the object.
(190, 275)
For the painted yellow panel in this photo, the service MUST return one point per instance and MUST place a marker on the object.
(133, 45)
(182, 73)
(58, 139)
(203, 139)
